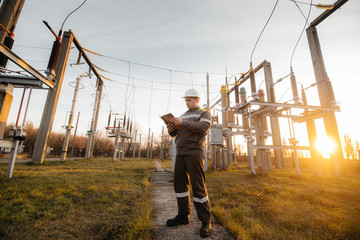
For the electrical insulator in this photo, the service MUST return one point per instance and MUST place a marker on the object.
(54, 57)
(8, 42)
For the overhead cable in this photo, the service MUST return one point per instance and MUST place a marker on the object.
(151, 66)
(302, 32)
(71, 13)
(262, 32)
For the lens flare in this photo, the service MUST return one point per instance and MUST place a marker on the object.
(325, 146)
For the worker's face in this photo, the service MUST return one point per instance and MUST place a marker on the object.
(191, 102)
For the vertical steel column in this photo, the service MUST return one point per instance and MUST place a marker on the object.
(94, 120)
(162, 144)
(69, 126)
(312, 135)
(245, 123)
(274, 121)
(52, 99)
(148, 146)
(76, 127)
(135, 145)
(151, 145)
(6, 97)
(224, 105)
(326, 95)
(139, 154)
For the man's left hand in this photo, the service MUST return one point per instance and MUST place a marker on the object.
(178, 122)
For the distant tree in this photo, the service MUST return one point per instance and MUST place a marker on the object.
(357, 150)
(348, 147)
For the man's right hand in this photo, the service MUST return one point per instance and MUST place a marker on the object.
(170, 127)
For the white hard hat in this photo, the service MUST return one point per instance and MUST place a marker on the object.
(191, 93)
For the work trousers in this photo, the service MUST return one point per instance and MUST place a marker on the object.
(193, 166)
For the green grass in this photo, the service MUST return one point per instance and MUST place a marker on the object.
(81, 199)
(283, 206)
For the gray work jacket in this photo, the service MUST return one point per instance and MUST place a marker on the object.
(191, 139)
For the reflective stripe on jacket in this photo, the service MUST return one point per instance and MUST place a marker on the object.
(191, 140)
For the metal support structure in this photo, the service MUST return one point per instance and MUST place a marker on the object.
(27, 67)
(94, 120)
(139, 153)
(151, 145)
(52, 101)
(76, 127)
(148, 146)
(274, 121)
(324, 86)
(162, 144)
(134, 145)
(224, 106)
(69, 126)
(312, 135)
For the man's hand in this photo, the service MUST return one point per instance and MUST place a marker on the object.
(170, 127)
(178, 122)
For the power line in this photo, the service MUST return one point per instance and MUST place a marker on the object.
(151, 66)
(70, 14)
(302, 32)
(262, 32)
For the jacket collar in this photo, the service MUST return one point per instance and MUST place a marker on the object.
(193, 109)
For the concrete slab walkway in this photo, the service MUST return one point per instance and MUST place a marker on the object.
(165, 206)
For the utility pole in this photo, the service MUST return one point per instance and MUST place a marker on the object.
(52, 101)
(69, 126)
(94, 120)
(76, 127)
(224, 105)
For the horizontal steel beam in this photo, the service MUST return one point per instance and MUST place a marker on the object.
(24, 65)
(87, 60)
(299, 106)
(18, 81)
(280, 147)
(327, 13)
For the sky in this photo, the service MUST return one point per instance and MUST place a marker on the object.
(153, 51)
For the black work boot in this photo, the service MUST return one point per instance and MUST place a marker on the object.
(205, 230)
(178, 220)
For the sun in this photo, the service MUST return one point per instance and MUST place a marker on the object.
(325, 146)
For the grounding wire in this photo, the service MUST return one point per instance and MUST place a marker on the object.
(71, 13)
(262, 32)
(302, 32)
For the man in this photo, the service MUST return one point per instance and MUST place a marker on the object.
(190, 142)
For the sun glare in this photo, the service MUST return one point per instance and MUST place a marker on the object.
(326, 146)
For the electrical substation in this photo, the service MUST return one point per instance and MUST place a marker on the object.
(249, 117)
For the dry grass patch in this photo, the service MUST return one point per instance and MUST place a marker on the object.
(82, 199)
(282, 206)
